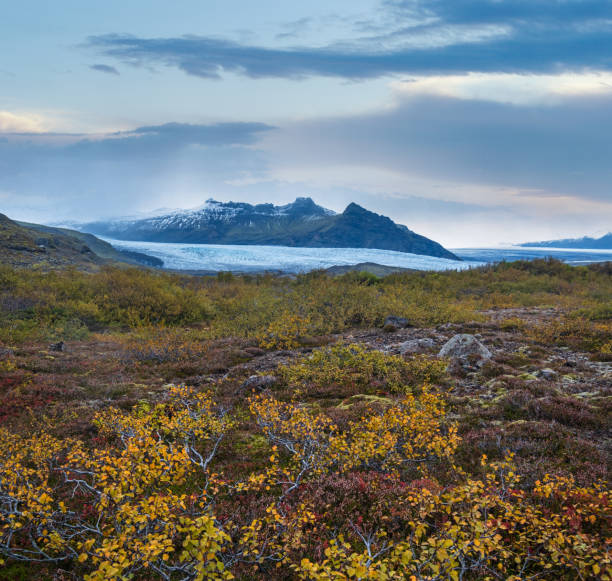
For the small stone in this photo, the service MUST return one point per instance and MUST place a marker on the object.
(393, 324)
(547, 373)
(415, 345)
(259, 382)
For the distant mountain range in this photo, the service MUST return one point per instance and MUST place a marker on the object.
(27, 245)
(301, 223)
(603, 243)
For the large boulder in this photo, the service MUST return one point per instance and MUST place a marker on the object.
(466, 350)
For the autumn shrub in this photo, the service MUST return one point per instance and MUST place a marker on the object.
(119, 509)
(512, 324)
(67, 303)
(354, 365)
(285, 332)
(405, 435)
(36, 305)
(604, 353)
(163, 345)
(484, 529)
(572, 331)
(150, 500)
(23, 392)
(569, 411)
(540, 448)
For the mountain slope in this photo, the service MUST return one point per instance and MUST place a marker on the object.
(603, 243)
(27, 245)
(302, 223)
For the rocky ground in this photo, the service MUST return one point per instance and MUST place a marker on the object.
(550, 404)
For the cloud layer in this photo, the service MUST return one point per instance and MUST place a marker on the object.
(418, 38)
(560, 149)
(10, 122)
(452, 168)
(54, 176)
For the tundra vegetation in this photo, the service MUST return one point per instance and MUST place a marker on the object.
(158, 426)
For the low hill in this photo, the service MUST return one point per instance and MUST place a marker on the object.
(301, 223)
(367, 267)
(24, 245)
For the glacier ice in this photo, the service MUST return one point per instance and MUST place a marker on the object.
(216, 257)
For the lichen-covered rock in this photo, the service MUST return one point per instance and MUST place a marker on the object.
(259, 382)
(547, 373)
(416, 345)
(466, 350)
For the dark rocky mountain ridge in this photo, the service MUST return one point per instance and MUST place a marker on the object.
(301, 223)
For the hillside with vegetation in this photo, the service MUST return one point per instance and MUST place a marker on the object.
(33, 245)
(417, 426)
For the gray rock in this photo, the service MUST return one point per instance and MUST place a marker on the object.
(466, 350)
(259, 382)
(547, 373)
(414, 346)
(392, 324)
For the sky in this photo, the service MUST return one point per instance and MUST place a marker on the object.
(474, 122)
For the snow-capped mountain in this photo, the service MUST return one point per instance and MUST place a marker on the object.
(301, 223)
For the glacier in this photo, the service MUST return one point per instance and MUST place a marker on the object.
(247, 258)
(217, 257)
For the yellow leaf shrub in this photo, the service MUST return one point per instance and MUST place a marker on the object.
(146, 504)
(353, 364)
(285, 332)
(412, 431)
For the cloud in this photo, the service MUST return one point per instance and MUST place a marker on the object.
(517, 11)
(450, 167)
(104, 69)
(426, 38)
(294, 28)
(92, 176)
(510, 88)
(166, 140)
(500, 153)
(12, 123)
(215, 134)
